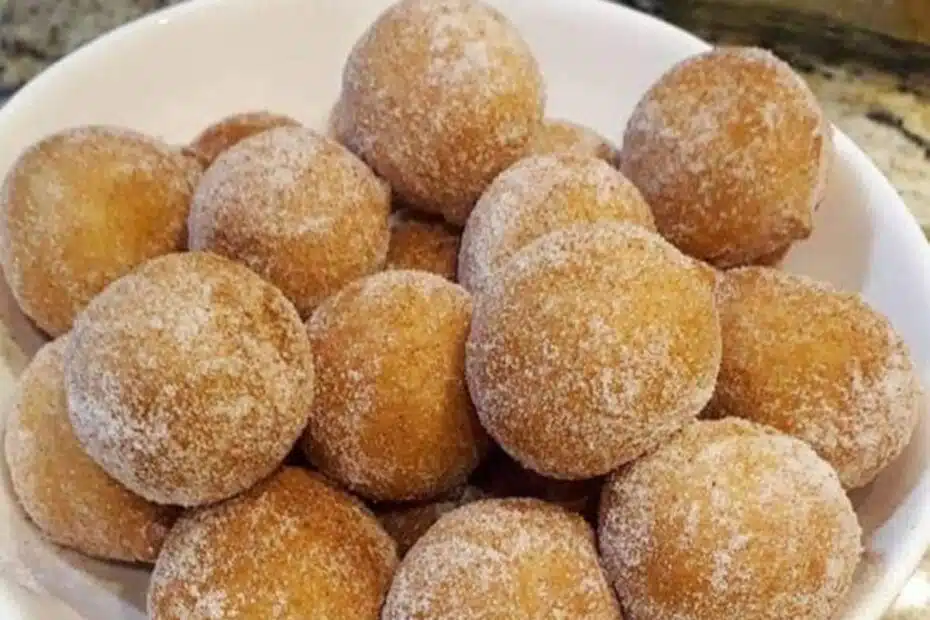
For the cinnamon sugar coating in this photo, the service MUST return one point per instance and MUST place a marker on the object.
(190, 379)
(731, 150)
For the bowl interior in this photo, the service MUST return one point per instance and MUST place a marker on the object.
(174, 72)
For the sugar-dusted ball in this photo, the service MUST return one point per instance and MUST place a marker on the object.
(817, 363)
(291, 547)
(418, 242)
(392, 418)
(298, 209)
(65, 493)
(591, 347)
(439, 96)
(509, 558)
(538, 195)
(729, 520)
(230, 130)
(562, 136)
(190, 379)
(81, 208)
(731, 150)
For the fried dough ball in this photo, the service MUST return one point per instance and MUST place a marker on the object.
(231, 130)
(190, 379)
(591, 346)
(406, 523)
(819, 364)
(68, 496)
(503, 559)
(539, 195)
(83, 207)
(298, 209)
(422, 244)
(292, 547)
(439, 96)
(561, 136)
(392, 419)
(731, 150)
(729, 520)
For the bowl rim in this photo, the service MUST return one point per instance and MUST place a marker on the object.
(894, 577)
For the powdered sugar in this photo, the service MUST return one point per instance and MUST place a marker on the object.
(503, 558)
(730, 149)
(845, 381)
(536, 196)
(260, 554)
(392, 418)
(298, 209)
(189, 379)
(439, 96)
(729, 519)
(593, 303)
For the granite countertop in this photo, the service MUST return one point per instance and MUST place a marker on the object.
(886, 112)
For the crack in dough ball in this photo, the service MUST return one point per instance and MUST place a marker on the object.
(83, 207)
(538, 195)
(592, 346)
(729, 519)
(510, 558)
(298, 209)
(392, 418)
(190, 379)
(731, 150)
(439, 96)
(818, 364)
(65, 493)
(291, 547)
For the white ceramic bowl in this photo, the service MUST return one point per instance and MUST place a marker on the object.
(173, 72)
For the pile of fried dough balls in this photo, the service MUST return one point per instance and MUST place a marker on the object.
(528, 375)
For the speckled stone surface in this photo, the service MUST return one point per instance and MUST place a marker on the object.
(889, 121)
(887, 115)
(34, 33)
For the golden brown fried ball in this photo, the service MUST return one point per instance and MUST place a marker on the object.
(561, 136)
(538, 195)
(291, 547)
(819, 364)
(731, 150)
(298, 209)
(68, 496)
(422, 244)
(392, 419)
(190, 379)
(506, 558)
(591, 347)
(729, 520)
(439, 96)
(83, 207)
(231, 130)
